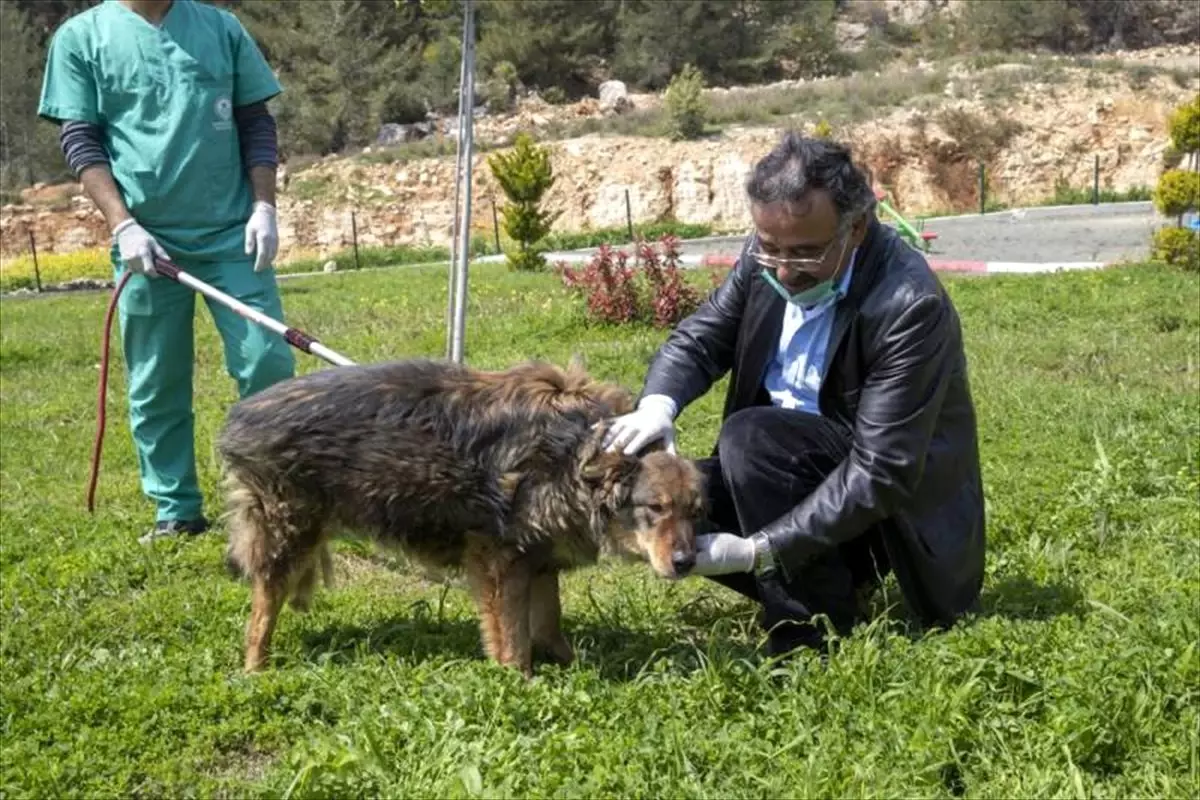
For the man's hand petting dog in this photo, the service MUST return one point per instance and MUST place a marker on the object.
(722, 554)
(653, 420)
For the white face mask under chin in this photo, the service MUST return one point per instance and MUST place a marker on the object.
(814, 295)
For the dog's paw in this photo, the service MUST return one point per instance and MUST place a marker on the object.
(558, 651)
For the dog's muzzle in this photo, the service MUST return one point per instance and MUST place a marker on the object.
(682, 562)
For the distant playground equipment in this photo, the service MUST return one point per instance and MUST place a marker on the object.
(918, 237)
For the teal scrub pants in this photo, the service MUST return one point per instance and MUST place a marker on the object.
(156, 318)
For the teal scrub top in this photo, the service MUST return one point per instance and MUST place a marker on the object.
(164, 98)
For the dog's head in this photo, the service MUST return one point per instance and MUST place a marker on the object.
(653, 503)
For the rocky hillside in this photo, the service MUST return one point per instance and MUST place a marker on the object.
(923, 129)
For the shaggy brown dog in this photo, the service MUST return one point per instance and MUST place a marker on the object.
(499, 474)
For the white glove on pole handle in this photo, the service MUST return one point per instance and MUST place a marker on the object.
(654, 419)
(137, 247)
(262, 235)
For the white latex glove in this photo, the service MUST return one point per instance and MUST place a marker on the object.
(654, 419)
(262, 235)
(723, 553)
(137, 247)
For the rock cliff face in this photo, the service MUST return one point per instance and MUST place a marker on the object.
(927, 160)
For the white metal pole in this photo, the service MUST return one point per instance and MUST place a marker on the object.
(452, 267)
(254, 315)
(466, 141)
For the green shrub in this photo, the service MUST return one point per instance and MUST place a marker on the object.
(525, 174)
(499, 91)
(1140, 76)
(684, 101)
(823, 130)
(1184, 127)
(554, 95)
(1065, 194)
(1178, 192)
(1178, 247)
(1171, 157)
(577, 240)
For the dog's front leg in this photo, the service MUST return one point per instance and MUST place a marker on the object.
(516, 647)
(500, 583)
(545, 616)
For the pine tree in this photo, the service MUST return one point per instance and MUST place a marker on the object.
(525, 174)
(685, 105)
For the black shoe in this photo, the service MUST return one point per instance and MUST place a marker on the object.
(787, 622)
(167, 528)
(785, 636)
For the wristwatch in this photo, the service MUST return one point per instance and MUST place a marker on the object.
(764, 559)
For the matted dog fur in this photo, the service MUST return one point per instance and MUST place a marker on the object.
(498, 474)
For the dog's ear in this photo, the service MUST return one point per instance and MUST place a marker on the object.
(609, 473)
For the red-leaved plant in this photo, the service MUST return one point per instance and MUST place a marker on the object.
(608, 282)
(661, 298)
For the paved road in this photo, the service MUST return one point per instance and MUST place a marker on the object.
(1104, 233)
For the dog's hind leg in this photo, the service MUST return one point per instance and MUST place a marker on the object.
(545, 617)
(300, 597)
(268, 596)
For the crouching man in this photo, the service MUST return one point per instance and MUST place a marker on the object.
(848, 445)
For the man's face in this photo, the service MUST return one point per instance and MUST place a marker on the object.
(806, 231)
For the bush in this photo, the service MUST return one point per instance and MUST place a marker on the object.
(1065, 194)
(553, 95)
(56, 268)
(575, 240)
(499, 91)
(809, 44)
(1178, 192)
(615, 295)
(608, 283)
(684, 101)
(671, 299)
(377, 257)
(1184, 127)
(1171, 157)
(1179, 247)
(525, 174)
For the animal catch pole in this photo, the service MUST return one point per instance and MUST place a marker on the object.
(293, 336)
(461, 248)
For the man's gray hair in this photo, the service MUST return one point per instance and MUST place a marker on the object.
(799, 164)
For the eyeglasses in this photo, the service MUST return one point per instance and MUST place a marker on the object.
(804, 264)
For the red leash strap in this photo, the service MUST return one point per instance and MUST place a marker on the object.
(102, 399)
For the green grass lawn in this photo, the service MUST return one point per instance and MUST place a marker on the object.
(1082, 678)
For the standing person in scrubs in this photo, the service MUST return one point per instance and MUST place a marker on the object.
(162, 107)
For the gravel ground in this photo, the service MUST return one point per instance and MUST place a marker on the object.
(1106, 233)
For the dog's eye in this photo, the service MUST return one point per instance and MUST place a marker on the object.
(655, 508)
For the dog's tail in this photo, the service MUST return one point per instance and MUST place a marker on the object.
(247, 524)
(264, 537)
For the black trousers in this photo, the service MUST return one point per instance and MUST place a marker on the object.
(768, 460)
